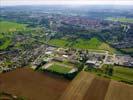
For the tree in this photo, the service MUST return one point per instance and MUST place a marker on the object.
(109, 70)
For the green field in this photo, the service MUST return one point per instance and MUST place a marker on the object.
(93, 43)
(59, 42)
(129, 20)
(123, 74)
(5, 44)
(59, 69)
(120, 73)
(6, 26)
(128, 50)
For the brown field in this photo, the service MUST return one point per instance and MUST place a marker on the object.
(90, 87)
(45, 86)
(78, 87)
(119, 91)
(97, 89)
(33, 85)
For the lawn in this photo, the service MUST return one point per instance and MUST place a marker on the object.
(59, 69)
(129, 20)
(6, 26)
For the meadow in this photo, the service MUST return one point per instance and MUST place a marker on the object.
(93, 43)
(6, 26)
(129, 20)
(120, 73)
(123, 74)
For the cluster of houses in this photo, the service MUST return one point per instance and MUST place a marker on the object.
(124, 60)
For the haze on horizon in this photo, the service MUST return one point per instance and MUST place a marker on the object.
(65, 2)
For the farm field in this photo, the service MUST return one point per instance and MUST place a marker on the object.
(129, 20)
(123, 74)
(90, 87)
(93, 43)
(6, 26)
(58, 68)
(85, 86)
(128, 50)
(119, 91)
(120, 73)
(78, 87)
(33, 85)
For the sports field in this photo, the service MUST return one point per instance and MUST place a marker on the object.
(59, 68)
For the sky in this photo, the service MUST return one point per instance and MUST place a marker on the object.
(65, 2)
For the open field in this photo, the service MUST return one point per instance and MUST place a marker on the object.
(89, 87)
(129, 20)
(58, 68)
(59, 42)
(97, 89)
(123, 74)
(6, 26)
(119, 91)
(78, 87)
(120, 73)
(93, 43)
(128, 50)
(33, 85)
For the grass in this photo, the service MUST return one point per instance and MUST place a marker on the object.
(59, 69)
(59, 42)
(129, 20)
(5, 44)
(6, 26)
(123, 73)
(120, 73)
(93, 43)
(128, 50)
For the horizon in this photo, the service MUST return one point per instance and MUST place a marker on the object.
(65, 2)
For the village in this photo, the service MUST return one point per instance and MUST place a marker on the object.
(68, 58)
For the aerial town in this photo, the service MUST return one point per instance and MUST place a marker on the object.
(66, 52)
